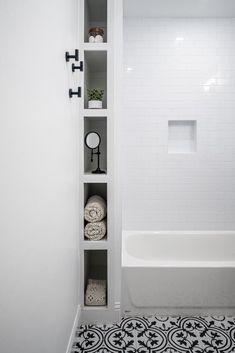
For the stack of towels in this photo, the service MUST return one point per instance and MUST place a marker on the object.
(95, 213)
(95, 292)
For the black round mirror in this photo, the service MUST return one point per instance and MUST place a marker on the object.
(92, 140)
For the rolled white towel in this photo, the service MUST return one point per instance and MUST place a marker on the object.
(95, 209)
(96, 230)
(95, 292)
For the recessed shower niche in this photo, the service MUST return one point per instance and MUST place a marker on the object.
(95, 74)
(99, 125)
(95, 15)
(182, 136)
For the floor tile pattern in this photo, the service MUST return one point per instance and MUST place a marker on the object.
(159, 335)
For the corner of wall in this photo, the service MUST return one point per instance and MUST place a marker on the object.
(74, 327)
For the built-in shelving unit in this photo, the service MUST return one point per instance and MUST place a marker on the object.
(97, 259)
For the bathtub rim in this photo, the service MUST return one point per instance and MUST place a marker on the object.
(129, 261)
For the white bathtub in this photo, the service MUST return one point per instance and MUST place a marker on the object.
(176, 273)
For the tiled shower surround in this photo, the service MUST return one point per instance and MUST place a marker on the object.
(178, 69)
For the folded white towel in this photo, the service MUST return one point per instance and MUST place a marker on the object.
(95, 292)
(96, 230)
(95, 209)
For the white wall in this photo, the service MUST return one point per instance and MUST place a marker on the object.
(179, 69)
(38, 296)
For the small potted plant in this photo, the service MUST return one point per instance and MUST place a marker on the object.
(95, 97)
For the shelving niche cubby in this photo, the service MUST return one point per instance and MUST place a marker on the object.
(95, 73)
(98, 124)
(95, 15)
(100, 259)
(95, 267)
(99, 189)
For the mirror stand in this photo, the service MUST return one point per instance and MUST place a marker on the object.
(92, 141)
(98, 170)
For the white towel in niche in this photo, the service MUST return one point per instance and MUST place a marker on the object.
(95, 209)
(95, 230)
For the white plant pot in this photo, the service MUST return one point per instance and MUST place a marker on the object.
(95, 104)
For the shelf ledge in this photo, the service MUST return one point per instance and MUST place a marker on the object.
(95, 178)
(95, 112)
(95, 245)
(95, 46)
(95, 307)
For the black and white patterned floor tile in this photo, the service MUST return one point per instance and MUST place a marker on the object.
(159, 335)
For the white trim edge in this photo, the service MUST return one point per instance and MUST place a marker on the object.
(75, 325)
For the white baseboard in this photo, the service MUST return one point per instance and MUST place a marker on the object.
(75, 325)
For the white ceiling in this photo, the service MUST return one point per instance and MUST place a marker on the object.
(179, 8)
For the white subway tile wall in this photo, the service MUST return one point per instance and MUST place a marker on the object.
(178, 69)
